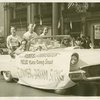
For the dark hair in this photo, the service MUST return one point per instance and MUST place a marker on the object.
(83, 37)
(78, 38)
(25, 43)
(24, 40)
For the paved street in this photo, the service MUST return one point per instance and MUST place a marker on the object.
(16, 90)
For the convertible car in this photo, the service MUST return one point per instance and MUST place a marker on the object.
(52, 63)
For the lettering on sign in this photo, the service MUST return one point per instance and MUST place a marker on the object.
(41, 55)
(24, 62)
(36, 62)
(41, 74)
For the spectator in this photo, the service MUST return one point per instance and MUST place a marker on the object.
(88, 42)
(83, 42)
(12, 41)
(78, 42)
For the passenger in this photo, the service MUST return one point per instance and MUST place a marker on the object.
(22, 47)
(66, 42)
(30, 33)
(12, 41)
(45, 31)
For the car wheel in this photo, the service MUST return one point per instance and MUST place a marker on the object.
(7, 76)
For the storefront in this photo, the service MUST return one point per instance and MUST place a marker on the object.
(86, 22)
(61, 18)
(21, 14)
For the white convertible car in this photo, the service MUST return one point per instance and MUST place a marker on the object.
(49, 64)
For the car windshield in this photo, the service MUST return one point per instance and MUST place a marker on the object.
(50, 42)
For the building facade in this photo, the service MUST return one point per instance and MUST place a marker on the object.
(1, 20)
(61, 18)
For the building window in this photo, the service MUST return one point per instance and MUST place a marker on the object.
(46, 9)
(19, 15)
(76, 27)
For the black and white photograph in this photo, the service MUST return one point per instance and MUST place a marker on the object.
(49, 49)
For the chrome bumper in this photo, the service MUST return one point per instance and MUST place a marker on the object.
(81, 75)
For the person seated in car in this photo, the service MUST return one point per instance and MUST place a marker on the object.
(22, 47)
(66, 42)
(45, 31)
(12, 41)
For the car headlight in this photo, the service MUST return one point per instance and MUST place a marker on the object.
(74, 59)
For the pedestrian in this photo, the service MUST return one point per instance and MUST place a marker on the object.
(12, 41)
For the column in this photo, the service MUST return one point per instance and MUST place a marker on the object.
(62, 19)
(6, 19)
(83, 24)
(31, 12)
(55, 19)
(8, 25)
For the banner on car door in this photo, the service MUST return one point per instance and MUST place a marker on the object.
(48, 70)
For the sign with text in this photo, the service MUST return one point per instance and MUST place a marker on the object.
(44, 70)
(97, 31)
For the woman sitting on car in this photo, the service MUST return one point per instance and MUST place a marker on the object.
(22, 47)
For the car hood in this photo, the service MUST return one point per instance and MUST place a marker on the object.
(88, 57)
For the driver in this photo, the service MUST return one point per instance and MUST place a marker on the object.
(66, 42)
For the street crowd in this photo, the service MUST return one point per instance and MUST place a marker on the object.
(14, 45)
(83, 42)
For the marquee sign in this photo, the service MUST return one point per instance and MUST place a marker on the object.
(97, 31)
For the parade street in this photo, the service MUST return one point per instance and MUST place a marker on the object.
(13, 89)
(8, 89)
